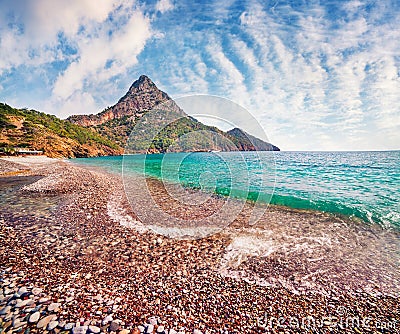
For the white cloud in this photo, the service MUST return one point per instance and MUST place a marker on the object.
(77, 103)
(164, 5)
(29, 29)
(230, 79)
(98, 48)
(184, 72)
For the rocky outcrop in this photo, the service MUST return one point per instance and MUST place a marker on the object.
(92, 120)
(141, 97)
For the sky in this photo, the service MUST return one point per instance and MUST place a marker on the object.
(316, 75)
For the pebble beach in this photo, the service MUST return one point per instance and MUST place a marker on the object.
(74, 258)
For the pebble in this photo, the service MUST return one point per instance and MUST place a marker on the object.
(13, 301)
(5, 310)
(52, 324)
(53, 307)
(114, 326)
(44, 321)
(106, 320)
(25, 294)
(79, 330)
(23, 303)
(94, 329)
(22, 290)
(69, 326)
(36, 291)
(34, 317)
(149, 328)
(17, 322)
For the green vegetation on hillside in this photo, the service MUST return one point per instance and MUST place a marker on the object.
(174, 132)
(154, 133)
(56, 137)
(117, 129)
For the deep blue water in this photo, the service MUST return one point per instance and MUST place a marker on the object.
(361, 184)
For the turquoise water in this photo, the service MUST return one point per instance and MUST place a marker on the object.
(359, 184)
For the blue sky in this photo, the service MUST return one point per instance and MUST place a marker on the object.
(320, 75)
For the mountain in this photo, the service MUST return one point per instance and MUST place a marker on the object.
(247, 142)
(23, 128)
(107, 132)
(117, 122)
(141, 97)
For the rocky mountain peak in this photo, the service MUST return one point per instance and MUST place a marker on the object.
(142, 96)
(143, 81)
(142, 90)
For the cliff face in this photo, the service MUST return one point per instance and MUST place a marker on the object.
(141, 97)
(92, 120)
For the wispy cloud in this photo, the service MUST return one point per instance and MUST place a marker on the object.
(104, 52)
(321, 71)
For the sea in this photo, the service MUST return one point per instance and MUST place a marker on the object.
(365, 185)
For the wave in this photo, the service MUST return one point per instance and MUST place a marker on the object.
(118, 213)
(361, 211)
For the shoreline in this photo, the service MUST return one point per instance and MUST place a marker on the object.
(119, 278)
(285, 200)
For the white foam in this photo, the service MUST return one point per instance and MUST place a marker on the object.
(118, 214)
(243, 247)
(185, 232)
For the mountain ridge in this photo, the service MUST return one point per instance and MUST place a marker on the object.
(117, 122)
(244, 141)
(107, 132)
